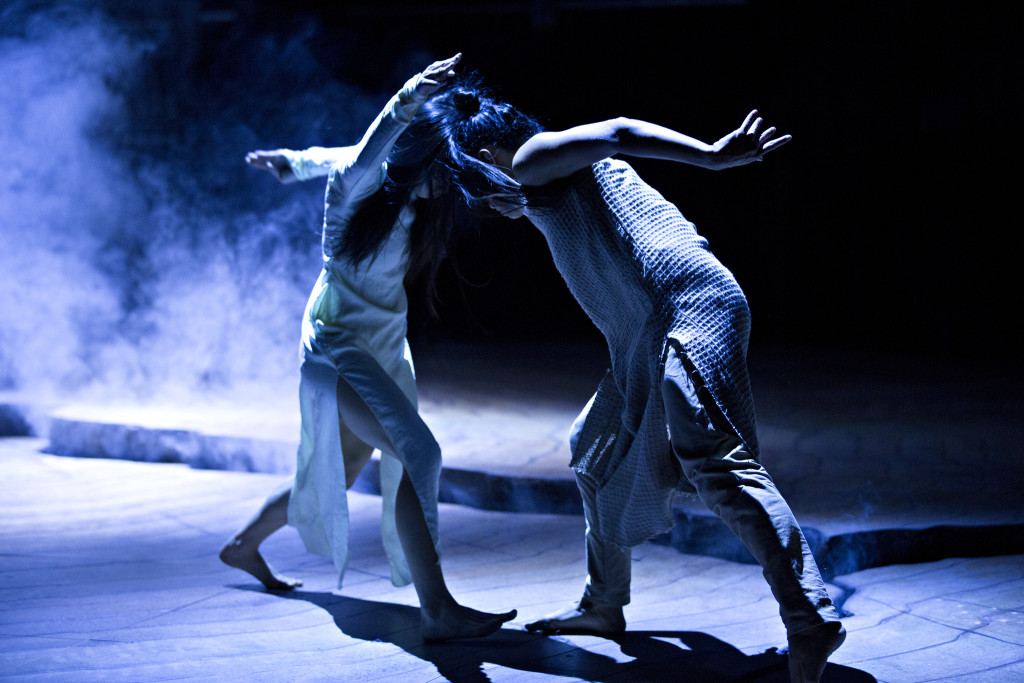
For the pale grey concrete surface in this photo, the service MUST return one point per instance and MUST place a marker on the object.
(110, 573)
(884, 459)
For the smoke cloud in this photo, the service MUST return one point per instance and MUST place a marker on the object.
(139, 253)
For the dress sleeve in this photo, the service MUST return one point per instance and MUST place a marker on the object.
(316, 162)
(364, 169)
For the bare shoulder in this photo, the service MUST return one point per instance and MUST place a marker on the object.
(529, 165)
(552, 155)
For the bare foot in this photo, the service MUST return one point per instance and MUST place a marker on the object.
(456, 621)
(236, 554)
(809, 651)
(597, 621)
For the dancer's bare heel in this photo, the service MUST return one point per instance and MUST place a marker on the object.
(455, 621)
(810, 649)
(237, 554)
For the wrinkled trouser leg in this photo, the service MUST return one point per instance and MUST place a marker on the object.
(733, 485)
(608, 564)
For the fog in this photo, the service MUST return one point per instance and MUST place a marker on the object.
(140, 256)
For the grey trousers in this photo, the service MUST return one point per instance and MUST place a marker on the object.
(733, 485)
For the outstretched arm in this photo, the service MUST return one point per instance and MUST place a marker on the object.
(379, 138)
(290, 166)
(551, 155)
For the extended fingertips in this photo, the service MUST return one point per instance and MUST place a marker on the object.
(746, 121)
(776, 143)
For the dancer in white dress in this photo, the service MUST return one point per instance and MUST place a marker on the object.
(357, 388)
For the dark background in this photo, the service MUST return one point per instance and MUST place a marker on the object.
(887, 226)
(886, 223)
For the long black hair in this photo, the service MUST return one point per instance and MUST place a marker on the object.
(417, 162)
(437, 152)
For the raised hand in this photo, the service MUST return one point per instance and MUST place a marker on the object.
(273, 162)
(435, 75)
(747, 143)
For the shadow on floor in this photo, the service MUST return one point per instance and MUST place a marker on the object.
(656, 655)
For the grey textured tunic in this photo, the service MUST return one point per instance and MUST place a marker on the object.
(644, 276)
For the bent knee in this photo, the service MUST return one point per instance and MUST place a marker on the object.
(728, 476)
(421, 448)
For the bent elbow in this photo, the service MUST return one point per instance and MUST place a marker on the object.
(623, 133)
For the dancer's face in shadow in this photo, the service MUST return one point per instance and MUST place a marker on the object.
(501, 159)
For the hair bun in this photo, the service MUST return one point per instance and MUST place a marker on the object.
(466, 103)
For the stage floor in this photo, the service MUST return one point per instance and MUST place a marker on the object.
(907, 467)
(110, 573)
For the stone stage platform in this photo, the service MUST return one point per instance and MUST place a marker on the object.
(883, 459)
(110, 567)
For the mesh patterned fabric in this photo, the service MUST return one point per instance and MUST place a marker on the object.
(644, 276)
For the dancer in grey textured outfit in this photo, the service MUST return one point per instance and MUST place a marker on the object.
(675, 410)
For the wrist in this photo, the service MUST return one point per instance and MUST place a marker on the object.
(709, 157)
(408, 99)
(410, 92)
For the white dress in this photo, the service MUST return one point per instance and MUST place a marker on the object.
(352, 307)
